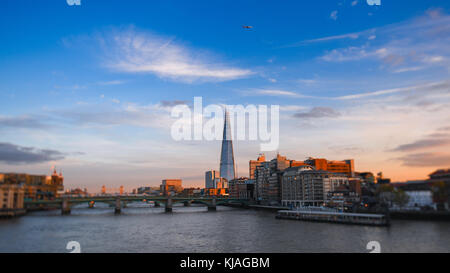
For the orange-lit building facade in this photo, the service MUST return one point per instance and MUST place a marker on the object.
(268, 174)
(304, 185)
(346, 167)
(220, 188)
(211, 179)
(171, 186)
(255, 163)
(36, 187)
(11, 200)
(216, 192)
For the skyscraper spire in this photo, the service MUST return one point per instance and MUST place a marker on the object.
(227, 168)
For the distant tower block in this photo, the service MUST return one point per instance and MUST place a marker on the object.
(121, 190)
(103, 189)
(227, 167)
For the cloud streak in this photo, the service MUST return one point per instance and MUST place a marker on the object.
(21, 122)
(422, 144)
(440, 138)
(427, 88)
(272, 92)
(142, 52)
(318, 112)
(426, 160)
(409, 46)
(14, 154)
(334, 14)
(146, 116)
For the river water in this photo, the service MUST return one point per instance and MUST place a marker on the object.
(193, 229)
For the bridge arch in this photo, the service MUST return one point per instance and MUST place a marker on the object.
(75, 204)
(192, 201)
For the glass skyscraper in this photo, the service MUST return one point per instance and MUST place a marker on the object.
(227, 168)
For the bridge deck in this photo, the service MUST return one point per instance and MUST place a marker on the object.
(133, 199)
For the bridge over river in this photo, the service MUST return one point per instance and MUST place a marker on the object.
(119, 202)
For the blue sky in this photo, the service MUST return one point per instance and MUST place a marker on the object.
(89, 88)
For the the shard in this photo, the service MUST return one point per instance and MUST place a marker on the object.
(227, 169)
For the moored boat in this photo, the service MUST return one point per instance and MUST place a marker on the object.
(334, 217)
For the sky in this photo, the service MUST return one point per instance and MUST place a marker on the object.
(89, 89)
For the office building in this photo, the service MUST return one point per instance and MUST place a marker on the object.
(255, 163)
(242, 188)
(305, 186)
(346, 167)
(227, 167)
(440, 181)
(36, 187)
(191, 192)
(11, 200)
(268, 178)
(171, 186)
(420, 194)
(211, 179)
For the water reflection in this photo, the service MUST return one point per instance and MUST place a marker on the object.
(144, 228)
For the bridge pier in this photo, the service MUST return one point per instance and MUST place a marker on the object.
(187, 204)
(65, 207)
(169, 204)
(212, 206)
(118, 208)
(157, 204)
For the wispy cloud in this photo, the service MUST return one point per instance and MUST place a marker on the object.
(272, 92)
(292, 108)
(353, 54)
(166, 103)
(351, 36)
(429, 87)
(440, 138)
(412, 45)
(142, 52)
(123, 114)
(423, 144)
(408, 69)
(308, 81)
(278, 93)
(28, 122)
(14, 154)
(336, 37)
(318, 112)
(334, 14)
(426, 160)
(114, 82)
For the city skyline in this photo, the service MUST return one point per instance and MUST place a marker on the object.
(93, 97)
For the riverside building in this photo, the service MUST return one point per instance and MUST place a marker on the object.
(305, 186)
